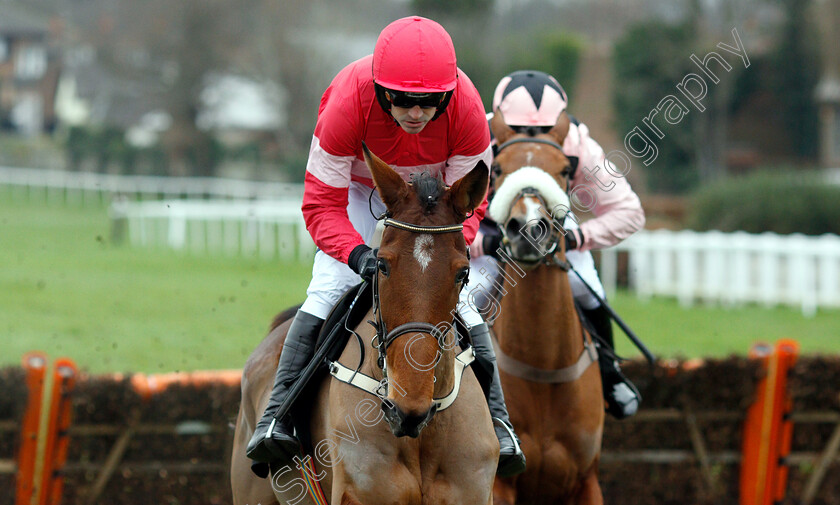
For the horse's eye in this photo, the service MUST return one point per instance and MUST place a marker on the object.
(383, 266)
(462, 275)
(567, 170)
(496, 169)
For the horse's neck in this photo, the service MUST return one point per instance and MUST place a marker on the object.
(539, 324)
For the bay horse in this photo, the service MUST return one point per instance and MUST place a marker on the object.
(449, 456)
(547, 362)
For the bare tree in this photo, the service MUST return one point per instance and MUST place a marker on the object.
(189, 39)
(170, 48)
(275, 57)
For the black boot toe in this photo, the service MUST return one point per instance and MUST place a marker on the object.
(274, 442)
(511, 457)
(510, 464)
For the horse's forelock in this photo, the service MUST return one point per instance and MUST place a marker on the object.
(428, 188)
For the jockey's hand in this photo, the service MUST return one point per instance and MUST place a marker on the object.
(362, 260)
(572, 241)
(486, 244)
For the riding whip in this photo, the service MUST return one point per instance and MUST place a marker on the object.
(626, 329)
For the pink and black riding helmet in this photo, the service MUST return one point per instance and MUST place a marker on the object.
(414, 64)
(530, 98)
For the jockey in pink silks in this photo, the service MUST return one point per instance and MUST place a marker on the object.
(532, 101)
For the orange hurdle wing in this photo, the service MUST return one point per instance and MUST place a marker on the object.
(35, 365)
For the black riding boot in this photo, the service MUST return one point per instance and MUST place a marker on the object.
(274, 439)
(511, 458)
(621, 397)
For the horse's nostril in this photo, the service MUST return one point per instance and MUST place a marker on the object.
(543, 225)
(514, 227)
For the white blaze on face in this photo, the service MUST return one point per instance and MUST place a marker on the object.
(532, 209)
(423, 250)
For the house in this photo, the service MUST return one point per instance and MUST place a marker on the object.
(91, 94)
(28, 74)
(239, 109)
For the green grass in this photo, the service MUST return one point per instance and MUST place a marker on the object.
(66, 290)
(670, 330)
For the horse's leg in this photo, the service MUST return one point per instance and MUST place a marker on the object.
(504, 491)
(257, 377)
(248, 489)
(590, 490)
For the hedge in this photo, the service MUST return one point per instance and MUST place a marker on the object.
(781, 202)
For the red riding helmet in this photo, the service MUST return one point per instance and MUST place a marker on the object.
(415, 54)
(530, 98)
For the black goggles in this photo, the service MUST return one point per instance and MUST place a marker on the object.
(407, 100)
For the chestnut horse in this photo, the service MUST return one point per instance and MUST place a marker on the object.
(547, 362)
(449, 456)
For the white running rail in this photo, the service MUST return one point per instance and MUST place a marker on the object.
(264, 228)
(59, 186)
(730, 268)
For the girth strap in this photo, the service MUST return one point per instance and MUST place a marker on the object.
(570, 373)
(377, 388)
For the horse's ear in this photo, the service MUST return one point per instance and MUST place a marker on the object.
(500, 129)
(390, 185)
(468, 192)
(561, 128)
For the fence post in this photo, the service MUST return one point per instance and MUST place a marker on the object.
(686, 282)
(609, 271)
(738, 290)
(55, 453)
(827, 248)
(768, 429)
(35, 365)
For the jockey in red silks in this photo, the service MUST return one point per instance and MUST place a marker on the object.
(532, 101)
(414, 108)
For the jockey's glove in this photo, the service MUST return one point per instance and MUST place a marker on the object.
(362, 260)
(574, 239)
(491, 244)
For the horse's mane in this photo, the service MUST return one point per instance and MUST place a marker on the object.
(428, 189)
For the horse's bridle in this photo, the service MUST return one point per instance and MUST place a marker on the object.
(383, 337)
(531, 140)
(549, 257)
